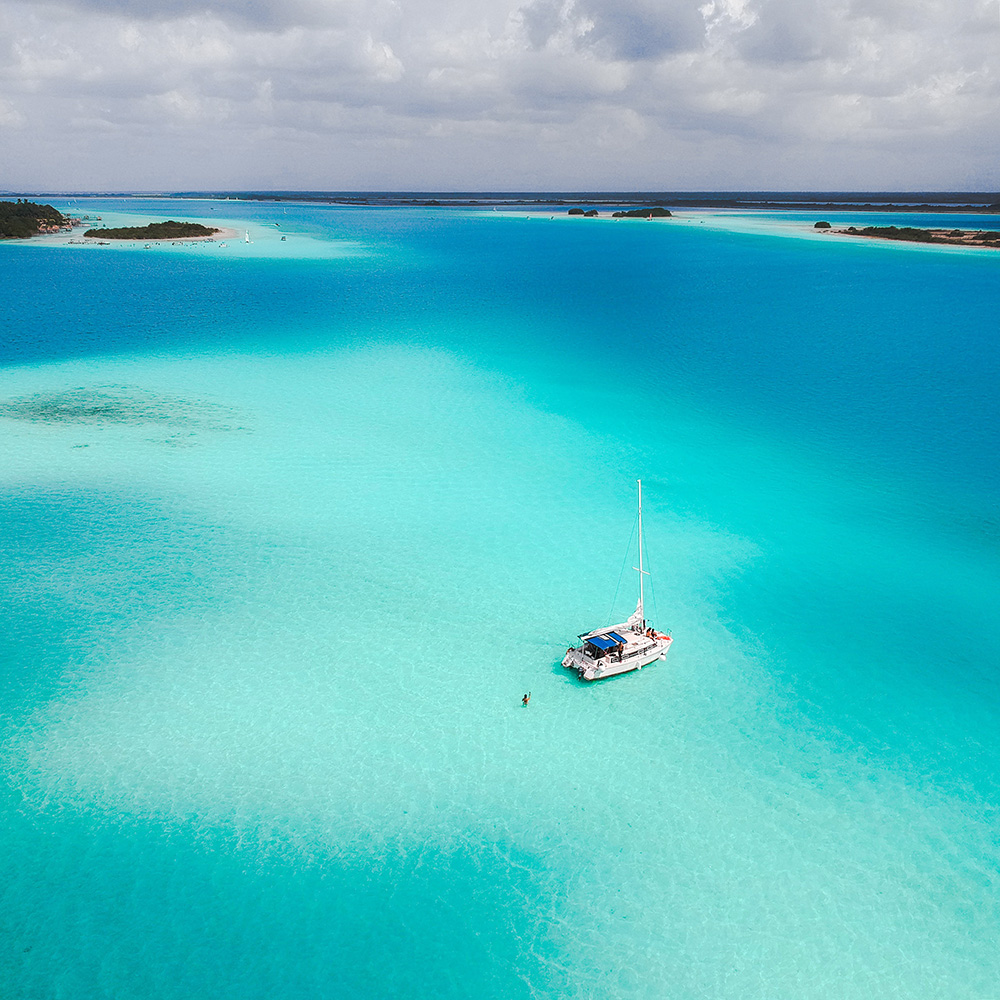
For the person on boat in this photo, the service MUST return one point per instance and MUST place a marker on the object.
(526, 699)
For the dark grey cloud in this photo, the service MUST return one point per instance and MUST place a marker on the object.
(618, 29)
(542, 21)
(262, 14)
(643, 29)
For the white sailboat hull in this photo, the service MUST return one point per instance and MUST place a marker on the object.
(590, 669)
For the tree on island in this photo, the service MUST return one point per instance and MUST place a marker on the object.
(905, 233)
(822, 225)
(908, 234)
(169, 230)
(658, 212)
(21, 219)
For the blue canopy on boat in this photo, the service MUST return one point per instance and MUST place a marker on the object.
(603, 642)
(617, 637)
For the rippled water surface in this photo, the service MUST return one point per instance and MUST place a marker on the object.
(288, 528)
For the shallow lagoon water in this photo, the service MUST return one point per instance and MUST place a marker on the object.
(286, 539)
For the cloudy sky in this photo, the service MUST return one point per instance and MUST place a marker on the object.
(499, 94)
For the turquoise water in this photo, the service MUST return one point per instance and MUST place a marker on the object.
(288, 529)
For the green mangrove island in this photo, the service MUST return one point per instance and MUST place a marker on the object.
(946, 237)
(169, 230)
(657, 212)
(21, 219)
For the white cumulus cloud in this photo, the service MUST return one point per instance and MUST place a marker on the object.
(504, 93)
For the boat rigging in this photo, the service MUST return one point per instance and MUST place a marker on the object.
(620, 649)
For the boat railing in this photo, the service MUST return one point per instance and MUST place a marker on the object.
(612, 658)
(639, 652)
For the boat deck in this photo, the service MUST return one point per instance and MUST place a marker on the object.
(638, 650)
(634, 641)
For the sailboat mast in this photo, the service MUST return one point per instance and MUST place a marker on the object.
(642, 613)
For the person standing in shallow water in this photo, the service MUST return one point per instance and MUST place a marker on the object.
(525, 700)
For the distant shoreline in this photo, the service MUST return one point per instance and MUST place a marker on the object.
(610, 201)
(970, 202)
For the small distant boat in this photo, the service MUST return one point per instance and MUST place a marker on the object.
(620, 649)
(246, 238)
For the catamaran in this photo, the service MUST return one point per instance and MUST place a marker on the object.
(607, 652)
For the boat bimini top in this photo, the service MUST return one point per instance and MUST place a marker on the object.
(605, 643)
